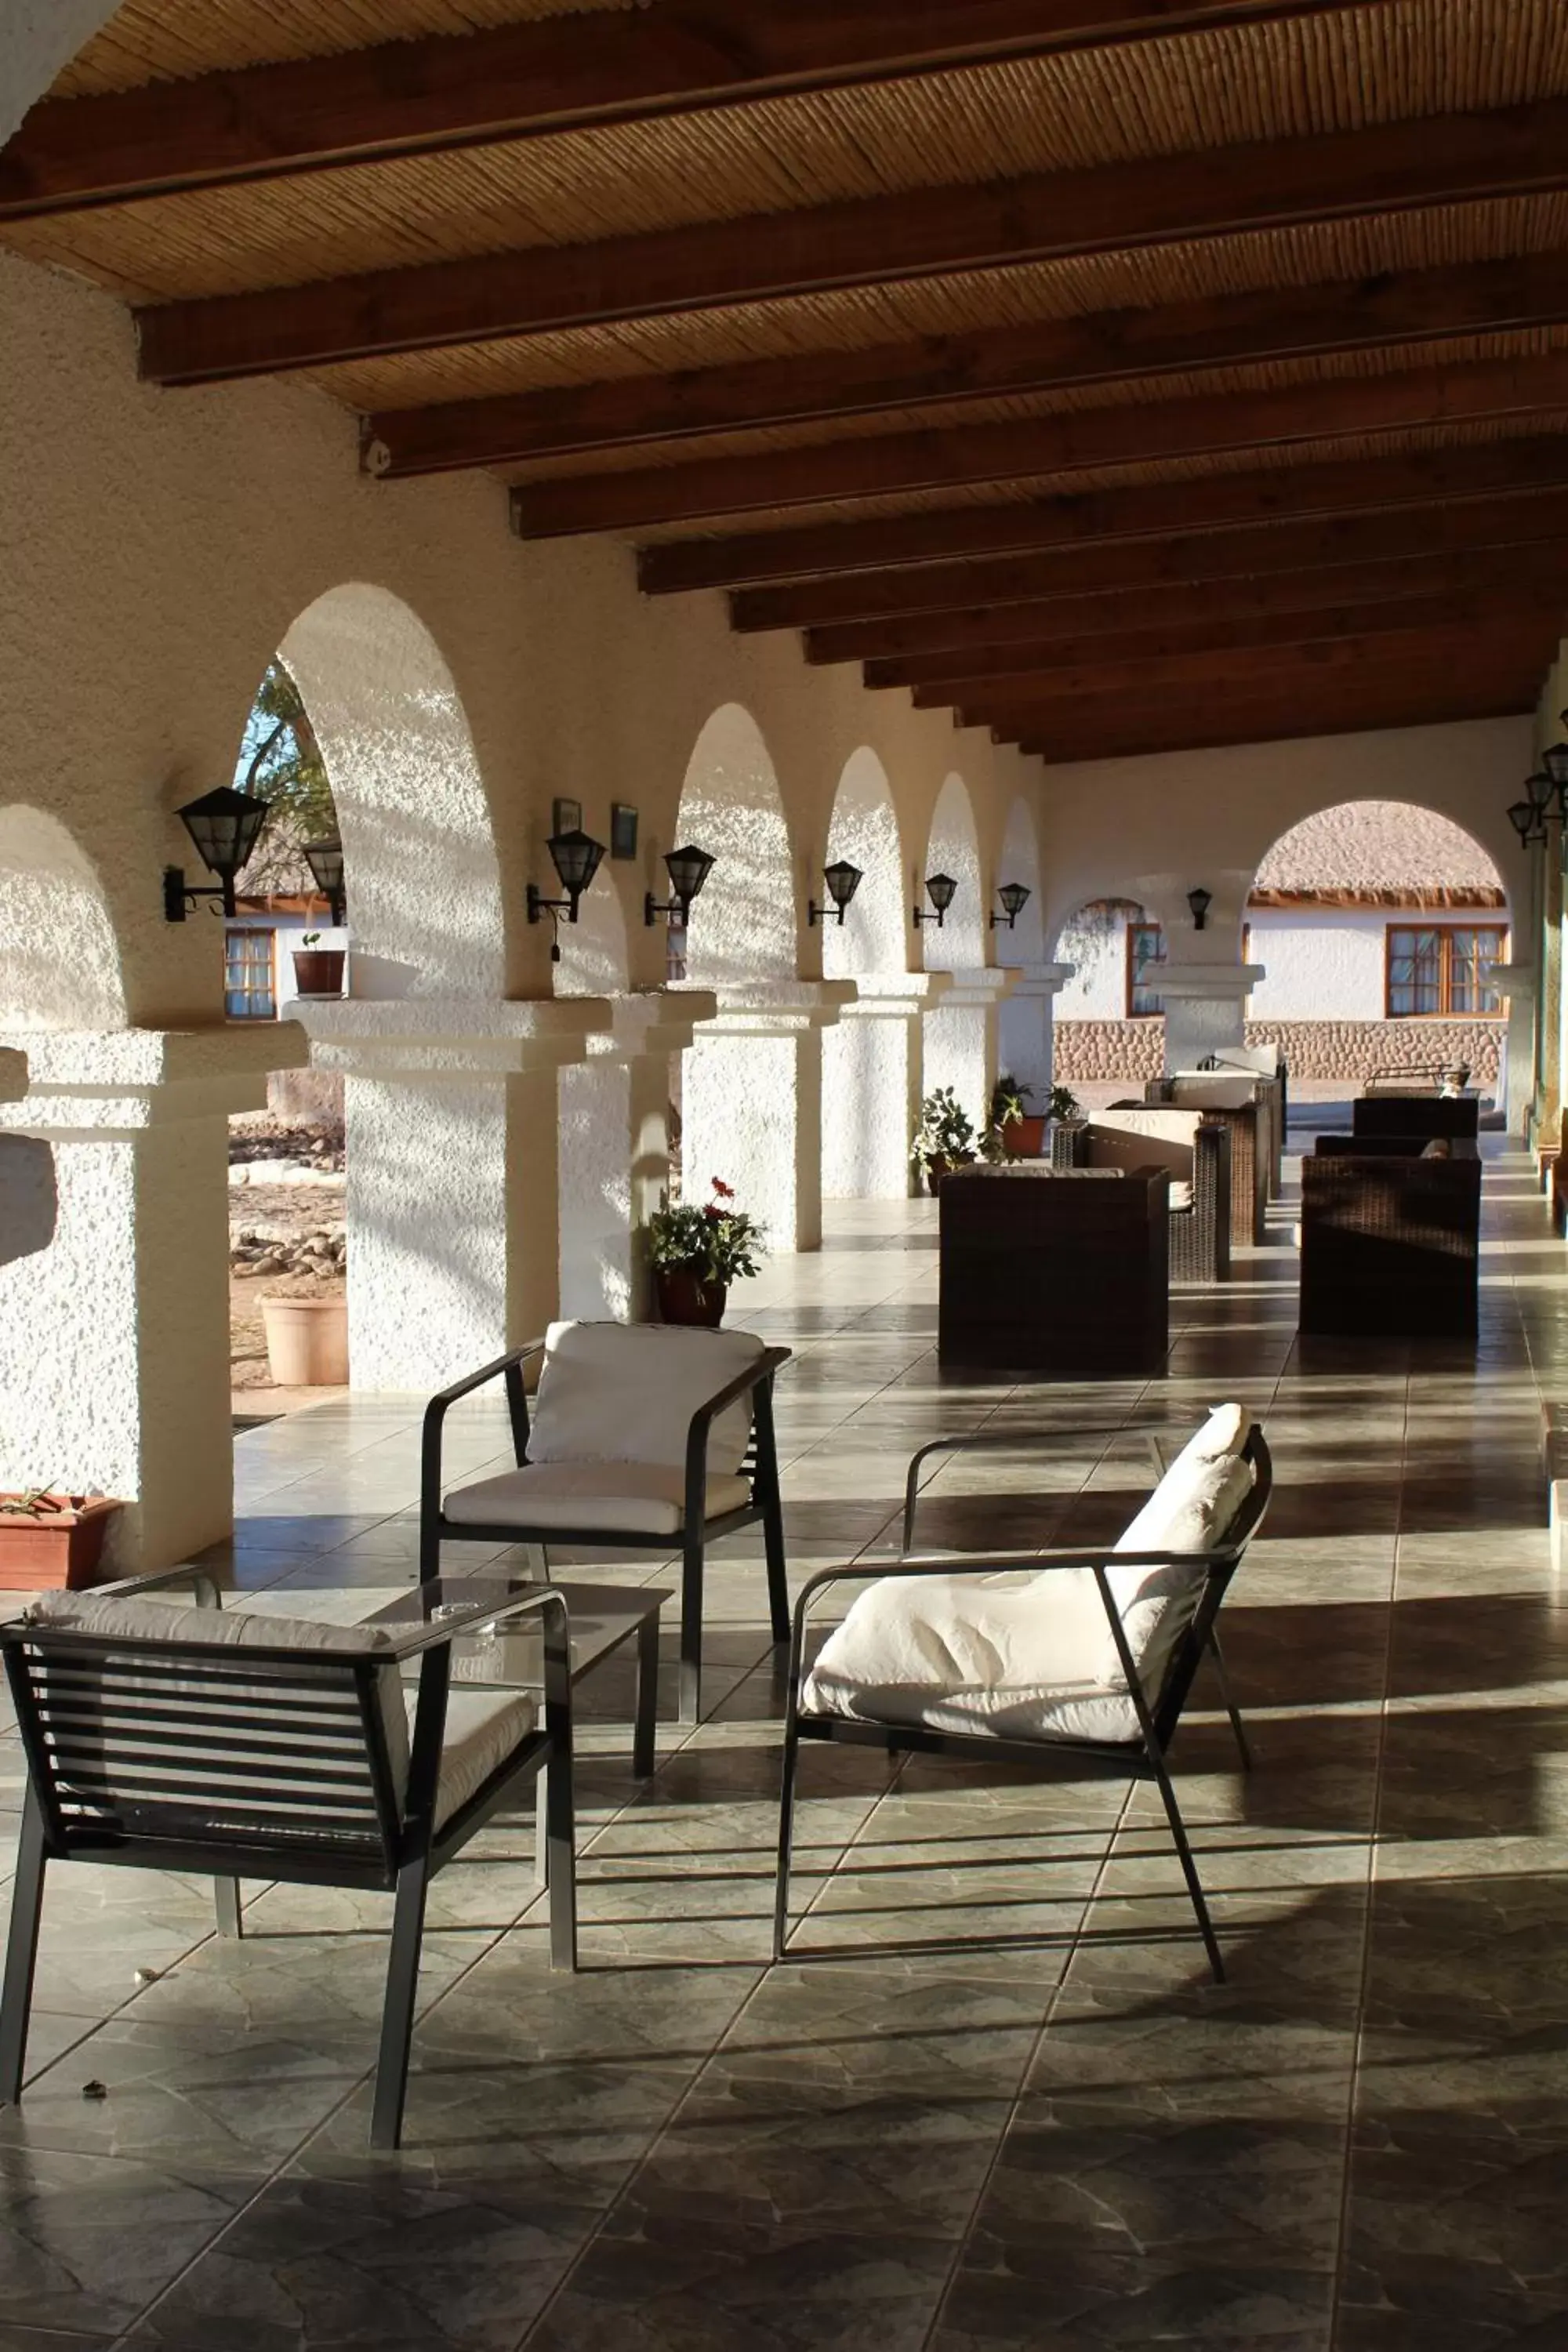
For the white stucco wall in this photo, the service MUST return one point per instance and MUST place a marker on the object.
(1328, 964)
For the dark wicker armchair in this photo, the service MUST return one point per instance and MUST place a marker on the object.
(1193, 1147)
(1062, 1274)
(1417, 1118)
(1390, 1242)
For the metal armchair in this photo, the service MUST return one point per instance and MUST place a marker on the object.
(233, 1746)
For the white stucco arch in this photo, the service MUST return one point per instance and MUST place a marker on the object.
(953, 847)
(60, 958)
(743, 925)
(864, 828)
(419, 855)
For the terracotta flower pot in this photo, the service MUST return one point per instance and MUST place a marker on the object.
(1024, 1138)
(937, 1168)
(684, 1298)
(318, 972)
(56, 1549)
(306, 1342)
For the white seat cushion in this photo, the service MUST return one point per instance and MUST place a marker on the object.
(606, 1497)
(1034, 1657)
(627, 1392)
(483, 1728)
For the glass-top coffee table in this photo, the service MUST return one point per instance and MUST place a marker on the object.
(601, 1617)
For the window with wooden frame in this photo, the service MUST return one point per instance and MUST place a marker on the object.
(1438, 970)
(248, 993)
(1145, 945)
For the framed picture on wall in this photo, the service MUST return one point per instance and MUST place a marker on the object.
(623, 830)
(565, 816)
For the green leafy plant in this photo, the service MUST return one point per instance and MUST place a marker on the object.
(715, 1243)
(946, 1132)
(37, 1503)
(1063, 1104)
(309, 938)
(1009, 1099)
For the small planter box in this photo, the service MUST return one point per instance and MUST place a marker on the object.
(306, 1342)
(318, 972)
(1024, 1138)
(683, 1299)
(53, 1550)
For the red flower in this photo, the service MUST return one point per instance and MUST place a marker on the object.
(725, 1191)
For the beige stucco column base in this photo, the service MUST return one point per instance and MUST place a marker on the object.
(960, 1044)
(1206, 1008)
(871, 1065)
(1024, 1042)
(450, 1107)
(752, 1102)
(114, 1337)
(615, 1150)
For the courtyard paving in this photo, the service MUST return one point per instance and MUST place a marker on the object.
(1065, 2136)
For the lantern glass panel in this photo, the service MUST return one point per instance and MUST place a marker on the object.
(325, 860)
(689, 868)
(575, 856)
(225, 826)
(1014, 897)
(940, 888)
(843, 880)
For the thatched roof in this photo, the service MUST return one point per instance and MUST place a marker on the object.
(1384, 853)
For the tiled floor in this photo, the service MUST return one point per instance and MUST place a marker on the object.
(1067, 2138)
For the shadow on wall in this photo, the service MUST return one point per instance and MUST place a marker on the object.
(29, 1199)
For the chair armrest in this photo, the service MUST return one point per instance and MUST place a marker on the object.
(508, 1367)
(702, 1420)
(1001, 1437)
(203, 1584)
(546, 1600)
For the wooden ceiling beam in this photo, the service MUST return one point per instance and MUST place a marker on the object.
(515, 81)
(1019, 667)
(921, 232)
(951, 456)
(951, 535)
(914, 648)
(1440, 653)
(1270, 323)
(1113, 735)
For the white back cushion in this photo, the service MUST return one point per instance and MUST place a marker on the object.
(154, 1620)
(1190, 1510)
(1212, 1090)
(627, 1392)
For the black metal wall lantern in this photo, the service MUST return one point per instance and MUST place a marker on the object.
(687, 868)
(1554, 759)
(843, 880)
(939, 889)
(226, 826)
(575, 856)
(1014, 897)
(1200, 901)
(325, 860)
(1528, 816)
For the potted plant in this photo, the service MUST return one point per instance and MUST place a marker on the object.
(944, 1140)
(1063, 1109)
(696, 1253)
(50, 1541)
(318, 970)
(1020, 1133)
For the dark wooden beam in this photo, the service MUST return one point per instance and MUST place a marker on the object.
(957, 534)
(1190, 553)
(1439, 652)
(1408, 620)
(921, 232)
(911, 650)
(515, 81)
(950, 457)
(1117, 733)
(1104, 346)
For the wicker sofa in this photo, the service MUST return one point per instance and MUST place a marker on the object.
(1246, 1105)
(1193, 1147)
(1390, 1240)
(1062, 1274)
(1415, 1119)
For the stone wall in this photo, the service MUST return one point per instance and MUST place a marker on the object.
(1352, 1050)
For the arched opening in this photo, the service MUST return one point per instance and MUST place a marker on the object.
(953, 848)
(1108, 1028)
(866, 1082)
(1023, 1021)
(596, 1112)
(1379, 925)
(743, 925)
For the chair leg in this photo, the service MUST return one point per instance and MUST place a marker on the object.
(397, 2011)
(1189, 1869)
(561, 1860)
(22, 1951)
(1230, 1706)
(786, 1841)
(778, 1580)
(226, 1893)
(691, 1632)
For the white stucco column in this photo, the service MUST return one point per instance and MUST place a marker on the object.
(1519, 983)
(871, 1065)
(752, 1102)
(615, 1150)
(1023, 1024)
(1206, 1008)
(960, 1042)
(114, 1338)
(450, 1111)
